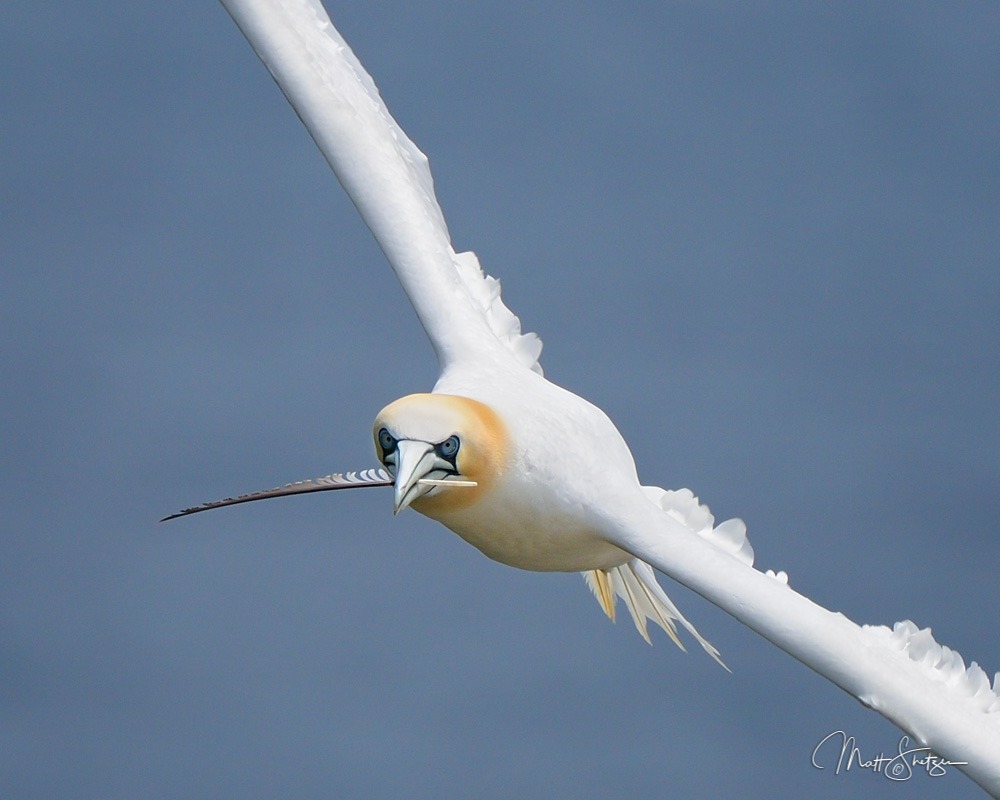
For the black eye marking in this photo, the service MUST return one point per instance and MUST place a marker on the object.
(448, 449)
(386, 441)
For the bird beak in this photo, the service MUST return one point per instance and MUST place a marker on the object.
(414, 459)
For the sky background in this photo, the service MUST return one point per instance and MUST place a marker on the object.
(764, 239)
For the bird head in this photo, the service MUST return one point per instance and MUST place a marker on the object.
(427, 441)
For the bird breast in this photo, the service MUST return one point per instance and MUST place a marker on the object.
(509, 527)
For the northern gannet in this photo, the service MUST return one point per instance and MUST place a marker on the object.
(537, 477)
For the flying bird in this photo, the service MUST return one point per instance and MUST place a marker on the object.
(538, 478)
(529, 473)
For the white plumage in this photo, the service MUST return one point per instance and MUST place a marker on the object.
(540, 478)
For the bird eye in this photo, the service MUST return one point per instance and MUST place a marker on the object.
(386, 441)
(449, 447)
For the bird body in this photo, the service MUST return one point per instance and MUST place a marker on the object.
(538, 506)
(566, 468)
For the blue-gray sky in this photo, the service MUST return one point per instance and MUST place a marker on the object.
(763, 238)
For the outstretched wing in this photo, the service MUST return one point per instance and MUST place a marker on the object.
(337, 480)
(386, 177)
(903, 674)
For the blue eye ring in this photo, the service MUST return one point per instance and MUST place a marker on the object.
(449, 447)
(386, 441)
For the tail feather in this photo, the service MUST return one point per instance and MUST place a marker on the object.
(635, 581)
(600, 584)
(642, 603)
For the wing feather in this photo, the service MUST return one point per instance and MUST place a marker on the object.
(387, 178)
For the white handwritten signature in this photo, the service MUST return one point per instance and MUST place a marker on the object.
(899, 766)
